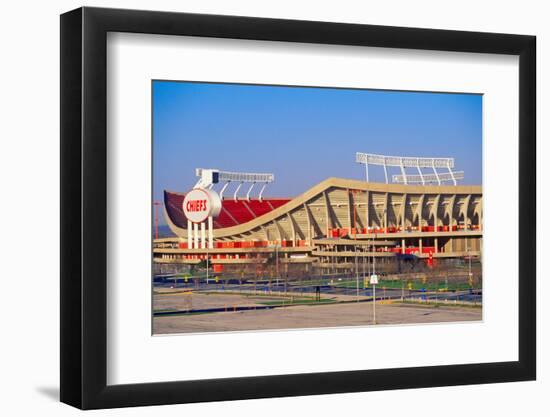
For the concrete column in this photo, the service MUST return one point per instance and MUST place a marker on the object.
(350, 211)
(386, 213)
(328, 225)
(195, 235)
(404, 212)
(367, 220)
(309, 226)
(292, 228)
(480, 214)
(467, 221)
(436, 244)
(210, 232)
(436, 207)
(203, 235)
(420, 210)
(189, 234)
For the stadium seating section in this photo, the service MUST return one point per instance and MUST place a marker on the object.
(232, 213)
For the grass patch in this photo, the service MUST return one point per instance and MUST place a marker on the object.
(414, 285)
(439, 304)
(298, 302)
(182, 313)
(177, 292)
(258, 294)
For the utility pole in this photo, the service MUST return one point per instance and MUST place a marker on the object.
(157, 204)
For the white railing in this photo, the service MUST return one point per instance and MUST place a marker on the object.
(428, 178)
(209, 177)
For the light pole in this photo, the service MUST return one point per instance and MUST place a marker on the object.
(469, 260)
(470, 277)
(373, 303)
(206, 267)
(373, 258)
(277, 265)
(157, 204)
(365, 250)
(374, 281)
(352, 192)
(356, 273)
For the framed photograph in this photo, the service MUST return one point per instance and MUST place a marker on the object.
(259, 208)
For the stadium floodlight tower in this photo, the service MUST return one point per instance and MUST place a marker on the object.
(403, 162)
(209, 177)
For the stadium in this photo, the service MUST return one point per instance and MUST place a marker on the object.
(420, 218)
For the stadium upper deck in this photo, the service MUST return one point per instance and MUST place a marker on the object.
(233, 212)
(345, 205)
(443, 220)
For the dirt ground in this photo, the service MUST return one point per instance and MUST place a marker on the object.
(309, 316)
(188, 301)
(180, 300)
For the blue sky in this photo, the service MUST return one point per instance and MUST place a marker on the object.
(304, 135)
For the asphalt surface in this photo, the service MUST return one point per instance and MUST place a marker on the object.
(314, 316)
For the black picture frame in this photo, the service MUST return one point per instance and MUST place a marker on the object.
(84, 207)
